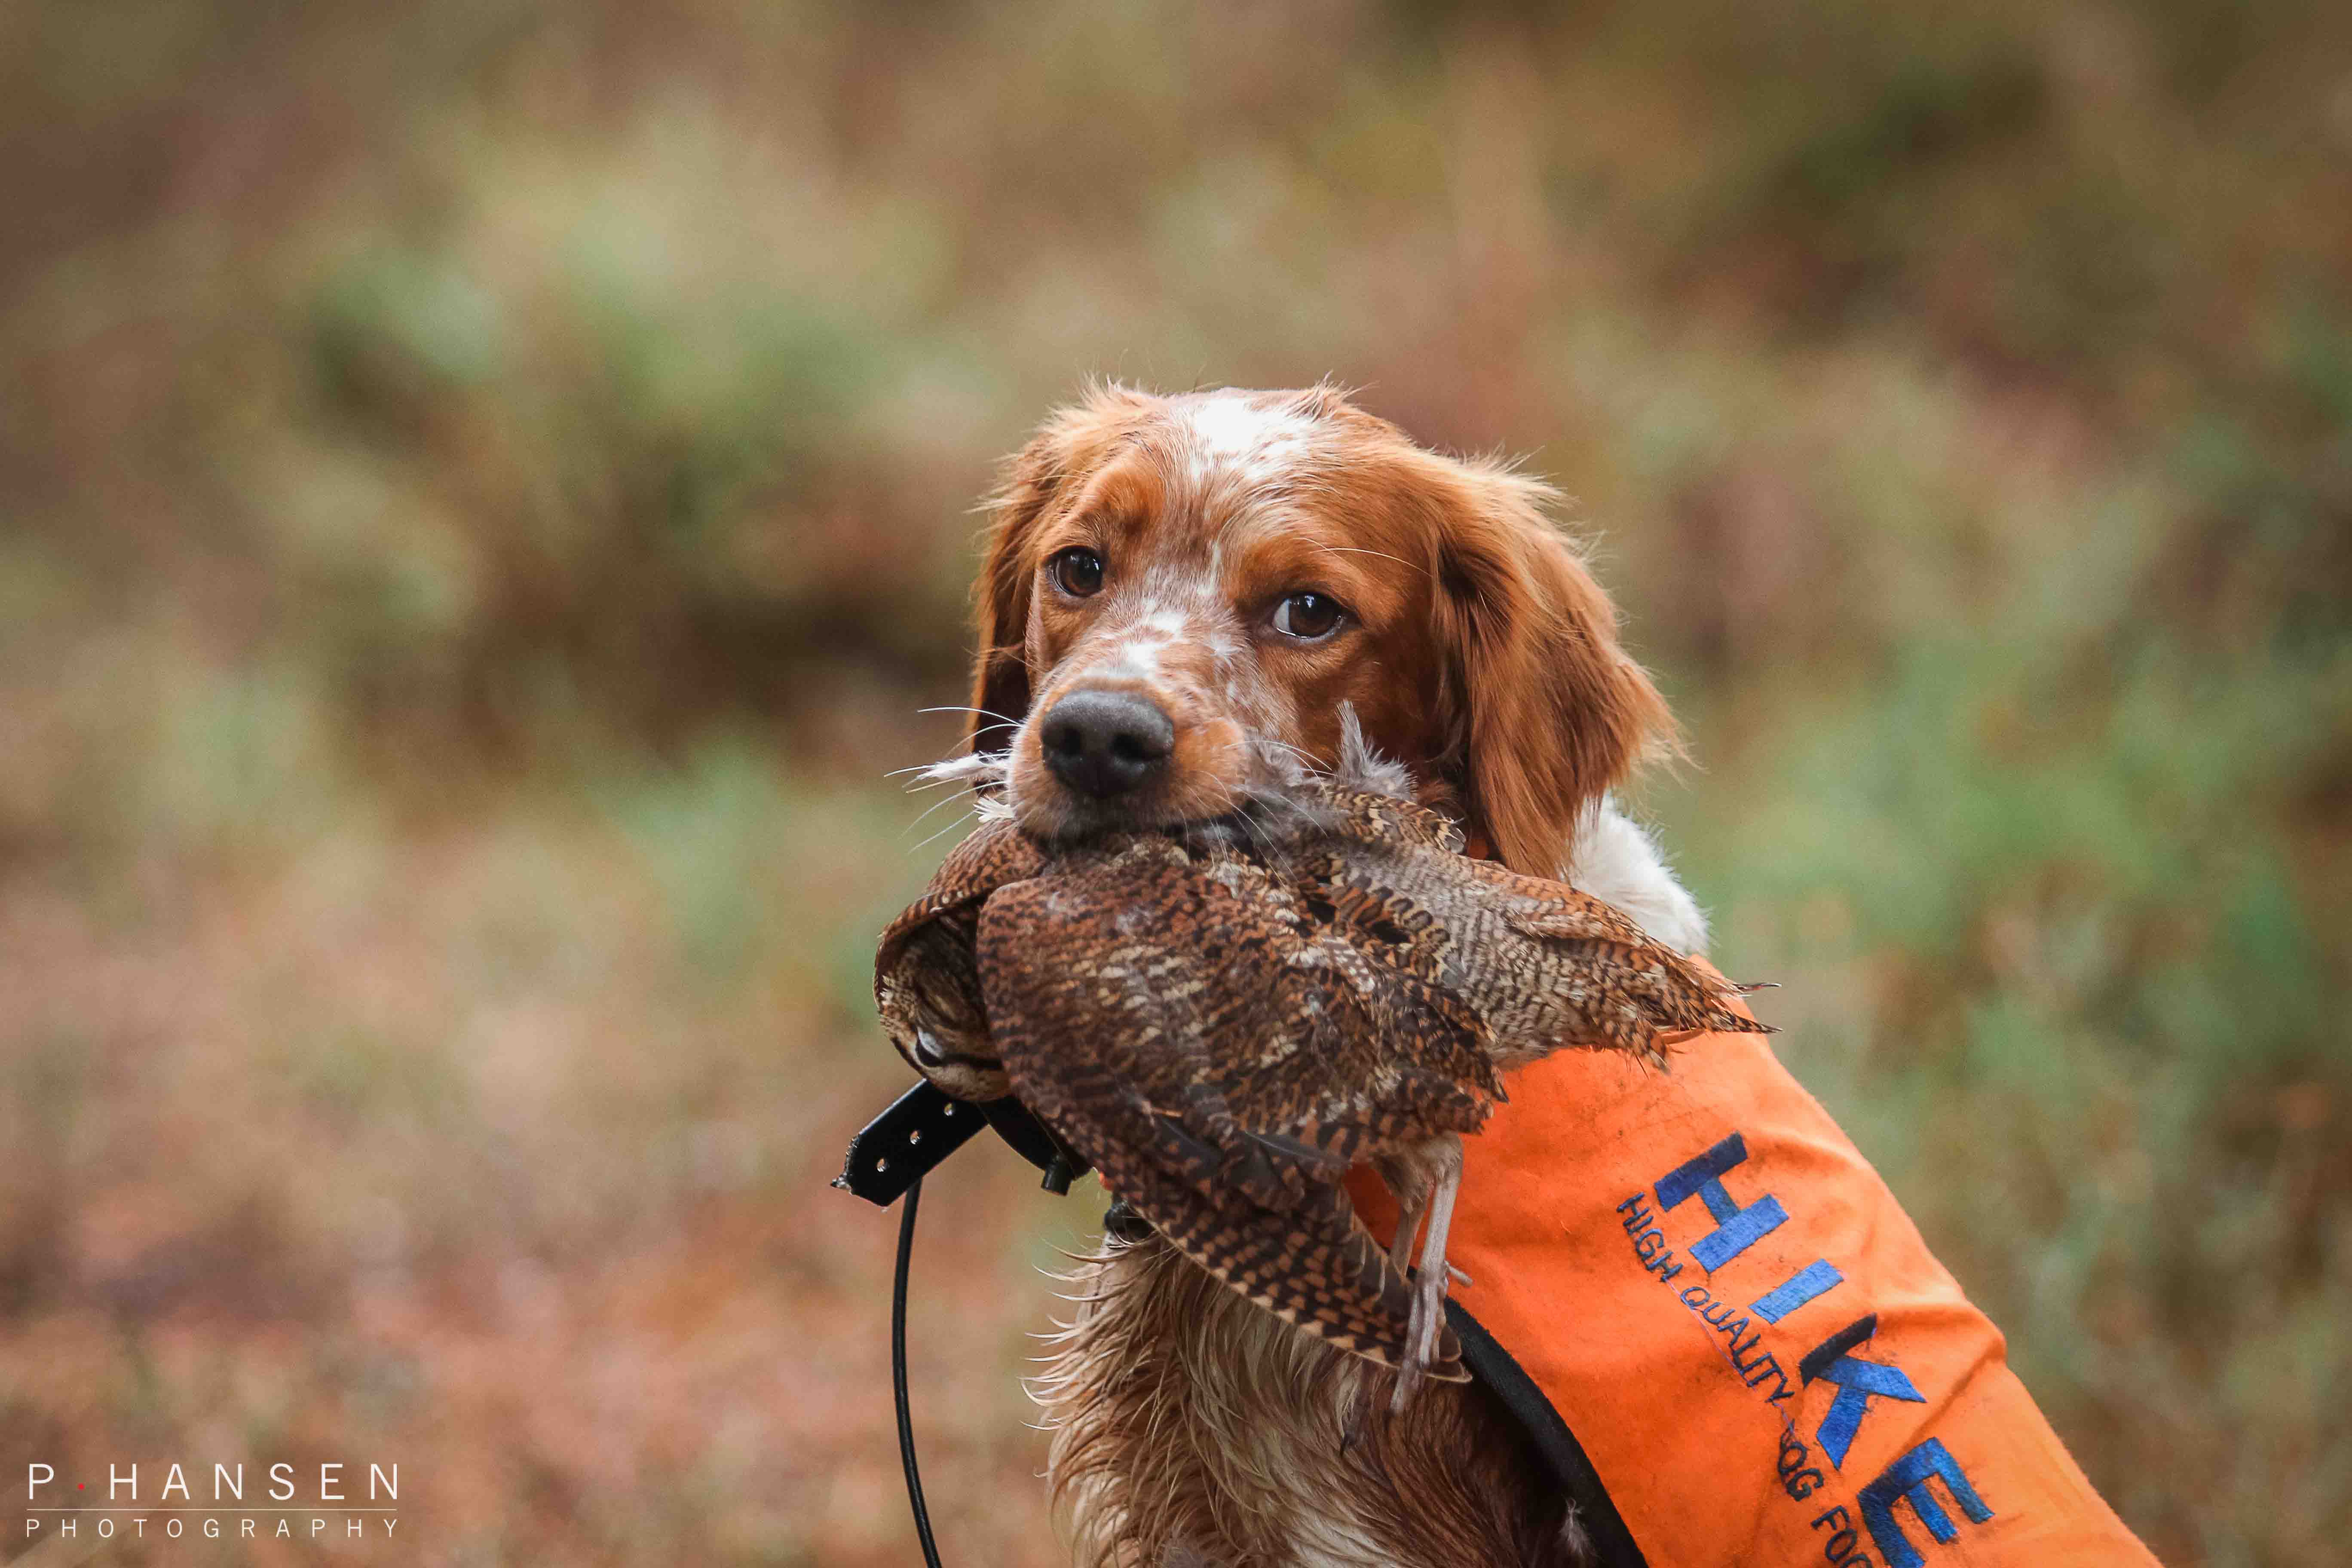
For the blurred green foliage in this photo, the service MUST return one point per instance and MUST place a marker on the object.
(484, 492)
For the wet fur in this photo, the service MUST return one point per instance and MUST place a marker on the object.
(1189, 1426)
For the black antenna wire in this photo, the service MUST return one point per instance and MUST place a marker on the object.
(898, 1377)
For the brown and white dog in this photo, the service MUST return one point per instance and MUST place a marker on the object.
(1171, 583)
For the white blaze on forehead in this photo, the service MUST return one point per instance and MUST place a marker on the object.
(1224, 431)
(1227, 424)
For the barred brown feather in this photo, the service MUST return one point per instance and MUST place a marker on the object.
(1227, 1021)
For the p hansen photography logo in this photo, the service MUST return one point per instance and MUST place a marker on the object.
(338, 1500)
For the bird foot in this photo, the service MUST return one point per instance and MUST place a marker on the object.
(1421, 1335)
(1427, 1320)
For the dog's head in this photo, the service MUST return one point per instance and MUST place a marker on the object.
(1175, 586)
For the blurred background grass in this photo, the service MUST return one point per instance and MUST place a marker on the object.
(484, 497)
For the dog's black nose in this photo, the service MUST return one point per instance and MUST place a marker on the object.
(1104, 744)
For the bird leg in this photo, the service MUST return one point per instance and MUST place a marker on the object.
(1410, 1212)
(1430, 1279)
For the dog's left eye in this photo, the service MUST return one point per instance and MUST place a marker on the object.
(1310, 617)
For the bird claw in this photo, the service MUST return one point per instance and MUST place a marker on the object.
(1421, 1335)
(1427, 1321)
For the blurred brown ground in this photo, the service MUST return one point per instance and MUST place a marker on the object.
(484, 499)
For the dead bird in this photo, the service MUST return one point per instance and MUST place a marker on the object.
(1229, 1016)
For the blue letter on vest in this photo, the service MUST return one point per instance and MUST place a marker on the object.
(1793, 1292)
(1907, 1477)
(1736, 1229)
(1857, 1382)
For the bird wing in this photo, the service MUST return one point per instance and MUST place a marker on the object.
(1273, 1054)
(1105, 1029)
(1128, 979)
(1374, 971)
(1540, 906)
(1314, 1264)
(926, 969)
(1633, 990)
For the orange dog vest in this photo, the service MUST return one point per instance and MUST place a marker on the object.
(1744, 1332)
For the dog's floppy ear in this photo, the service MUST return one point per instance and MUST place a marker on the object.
(1000, 676)
(1542, 709)
(1065, 447)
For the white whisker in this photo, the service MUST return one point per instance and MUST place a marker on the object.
(981, 712)
(926, 812)
(942, 833)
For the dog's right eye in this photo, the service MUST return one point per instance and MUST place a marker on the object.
(1078, 572)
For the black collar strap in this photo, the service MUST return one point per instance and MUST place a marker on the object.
(923, 1127)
